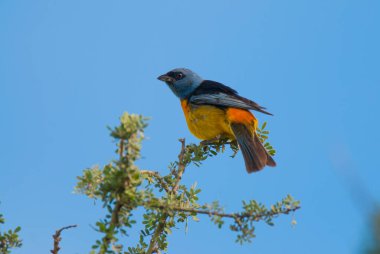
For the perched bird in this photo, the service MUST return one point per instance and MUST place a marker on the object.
(213, 110)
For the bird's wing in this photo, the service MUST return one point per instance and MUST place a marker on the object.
(214, 93)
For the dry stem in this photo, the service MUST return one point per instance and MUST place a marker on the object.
(57, 238)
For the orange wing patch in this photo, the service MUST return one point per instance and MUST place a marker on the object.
(243, 116)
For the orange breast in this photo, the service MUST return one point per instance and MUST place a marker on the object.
(185, 108)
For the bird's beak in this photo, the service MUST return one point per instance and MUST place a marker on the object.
(166, 79)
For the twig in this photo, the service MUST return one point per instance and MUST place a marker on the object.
(57, 238)
(158, 178)
(181, 165)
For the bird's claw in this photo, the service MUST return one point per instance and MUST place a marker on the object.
(210, 141)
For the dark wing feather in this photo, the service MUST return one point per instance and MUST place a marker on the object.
(209, 87)
(214, 93)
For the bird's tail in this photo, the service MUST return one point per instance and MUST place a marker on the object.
(255, 155)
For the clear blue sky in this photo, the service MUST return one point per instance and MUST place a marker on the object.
(70, 68)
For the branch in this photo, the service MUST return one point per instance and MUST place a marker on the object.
(160, 228)
(57, 238)
(121, 148)
(116, 210)
(228, 215)
(161, 225)
(115, 214)
(112, 225)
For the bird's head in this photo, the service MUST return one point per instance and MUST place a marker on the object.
(181, 81)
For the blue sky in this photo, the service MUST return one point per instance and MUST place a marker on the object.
(70, 68)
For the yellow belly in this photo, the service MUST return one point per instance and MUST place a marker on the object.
(206, 122)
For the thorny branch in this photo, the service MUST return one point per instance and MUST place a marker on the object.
(57, 238)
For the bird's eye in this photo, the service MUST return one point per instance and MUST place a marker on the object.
(179, 76)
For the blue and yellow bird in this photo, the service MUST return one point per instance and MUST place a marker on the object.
(213, 110)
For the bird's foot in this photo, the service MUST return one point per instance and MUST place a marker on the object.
(211, 141)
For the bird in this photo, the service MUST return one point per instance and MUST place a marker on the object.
(213, 110)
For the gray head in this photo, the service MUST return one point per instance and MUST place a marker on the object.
(181, 81)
